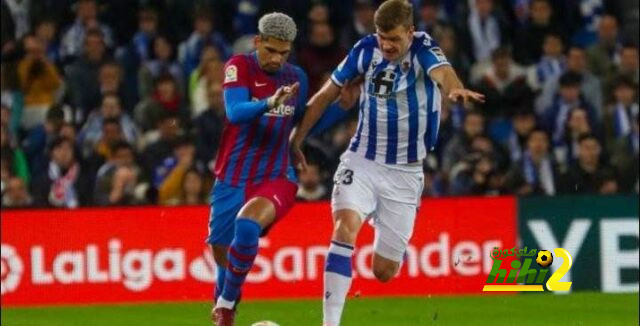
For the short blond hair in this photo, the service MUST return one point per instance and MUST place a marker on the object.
(393, 13)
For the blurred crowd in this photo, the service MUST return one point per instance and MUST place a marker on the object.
(119, 102)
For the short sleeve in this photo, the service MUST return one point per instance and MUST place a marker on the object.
(235, 73)
(353, 64)
(431, 56)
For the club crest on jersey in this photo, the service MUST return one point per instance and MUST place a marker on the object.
(383, 83)
(231, 74)
(405, 66)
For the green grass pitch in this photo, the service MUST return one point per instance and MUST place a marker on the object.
(524, 309)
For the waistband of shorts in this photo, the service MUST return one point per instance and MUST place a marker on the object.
(410, 167)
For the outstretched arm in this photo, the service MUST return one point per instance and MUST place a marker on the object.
(452, 86)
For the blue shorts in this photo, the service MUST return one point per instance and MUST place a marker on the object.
(227, 200)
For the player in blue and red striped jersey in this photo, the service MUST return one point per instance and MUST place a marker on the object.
(264, 97)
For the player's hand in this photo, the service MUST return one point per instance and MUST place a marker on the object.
(349, 93)
(282, 94)
(465, 96)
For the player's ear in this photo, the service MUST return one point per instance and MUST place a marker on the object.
(256, 41)
(411, 30)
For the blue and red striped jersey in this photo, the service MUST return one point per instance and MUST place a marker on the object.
(255, 141)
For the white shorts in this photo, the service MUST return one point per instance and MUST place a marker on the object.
(388, 195)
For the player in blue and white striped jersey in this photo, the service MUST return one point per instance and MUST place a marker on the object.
(380, 175)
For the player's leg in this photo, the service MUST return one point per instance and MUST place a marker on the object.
(352, 199)
(268, 202)
(220, 257)
(395, 218)
(338, 267)
(256, 214)
(226, 201)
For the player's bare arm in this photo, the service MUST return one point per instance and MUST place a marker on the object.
(316, 107)
(452, 86)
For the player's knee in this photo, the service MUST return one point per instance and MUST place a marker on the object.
(345, 233)
(346, 228)
(384, 274)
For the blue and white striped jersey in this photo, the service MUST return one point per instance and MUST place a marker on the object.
(399, 102)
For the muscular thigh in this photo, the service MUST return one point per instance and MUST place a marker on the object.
(395, 214)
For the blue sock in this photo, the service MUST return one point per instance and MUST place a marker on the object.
(220, 276)
(242, 253)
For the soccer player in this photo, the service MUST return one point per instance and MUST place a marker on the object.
(255, 182)
(380, 175)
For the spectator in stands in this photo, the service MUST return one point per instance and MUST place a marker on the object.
(86, 20)
(628, 66)
(164, 99)
(161, 62)
(208, 128)
(18, 17)
(624, 158)
(630, 61)
(310, 187)
(142, 40)
(110, 108)
(602, 55)
(116, 180)
(12, 99)
(168, 130)
(551, 65)
(320, 56)
(590, 86)
(618, 119)
(504, 85)
(203, 34)
(245, 20)
(62, 185)
(194, 191)
(110, 135)
(568, 98)
(39, 82)
(428, 20)
(15, 158)
(110, 81)
(82, 75)
(486, 30)
(535, 173)
(448, 41)
(16, 194)
(566, 147)
(460, 145)
(46, 31)
(68, 130)
(211, 72)
(530, 36)
(169, 175)
(588, 174)
(523, 123)
(362, 24)
(210, 58)
(476, 175)
(39, 138)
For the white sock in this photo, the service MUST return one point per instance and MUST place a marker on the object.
(222, 303)
(337, 281)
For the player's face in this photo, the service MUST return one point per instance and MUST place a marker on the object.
(272, 53)
(395, 43)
